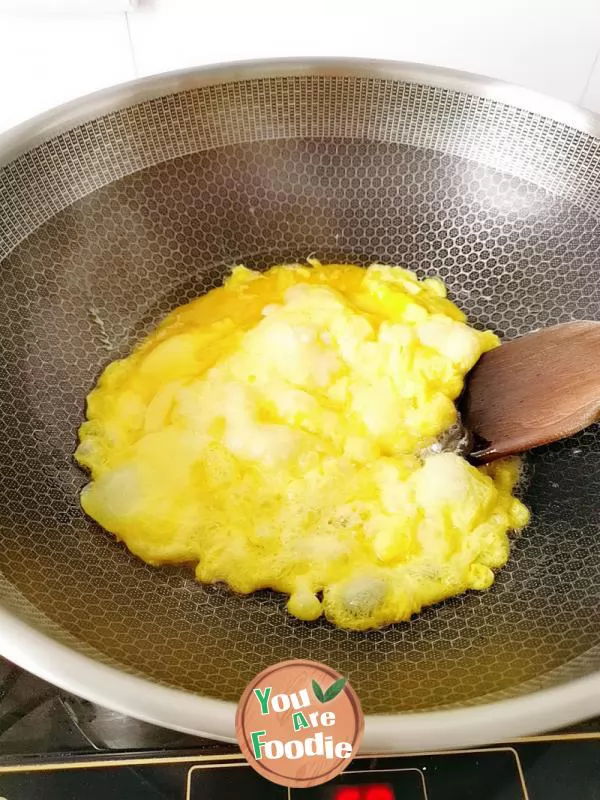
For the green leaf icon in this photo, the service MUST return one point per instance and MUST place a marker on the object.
(318, 692)
(335, 688)
(331, 693)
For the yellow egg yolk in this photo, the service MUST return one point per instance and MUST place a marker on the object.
(277, 431)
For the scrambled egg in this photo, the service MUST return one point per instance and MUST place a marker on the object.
(277, 433)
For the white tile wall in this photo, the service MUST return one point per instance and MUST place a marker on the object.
(71, 49)
(46, 60)
(549, 45)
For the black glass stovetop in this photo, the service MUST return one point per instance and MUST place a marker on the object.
(54, 746)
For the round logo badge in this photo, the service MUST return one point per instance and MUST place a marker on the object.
(299, 723)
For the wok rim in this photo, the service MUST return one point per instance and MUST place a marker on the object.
(22, 643)
(425, 731)
(41, 128)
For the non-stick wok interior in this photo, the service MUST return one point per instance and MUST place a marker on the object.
(110, 225)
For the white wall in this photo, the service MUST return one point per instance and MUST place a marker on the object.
(54, 50)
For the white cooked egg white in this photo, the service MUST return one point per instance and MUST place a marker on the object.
(277, 433)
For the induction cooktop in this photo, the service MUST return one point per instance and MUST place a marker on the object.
(54, 746)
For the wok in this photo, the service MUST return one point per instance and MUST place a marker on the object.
(120, 206)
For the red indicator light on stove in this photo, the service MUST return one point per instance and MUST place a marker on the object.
(370, 791)
(348, 793)
(380, 792)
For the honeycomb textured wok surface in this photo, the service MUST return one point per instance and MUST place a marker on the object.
(135, 222)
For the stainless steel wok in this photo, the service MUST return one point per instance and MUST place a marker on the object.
(118, 207)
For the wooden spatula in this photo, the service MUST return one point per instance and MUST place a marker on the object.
(533, 390)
